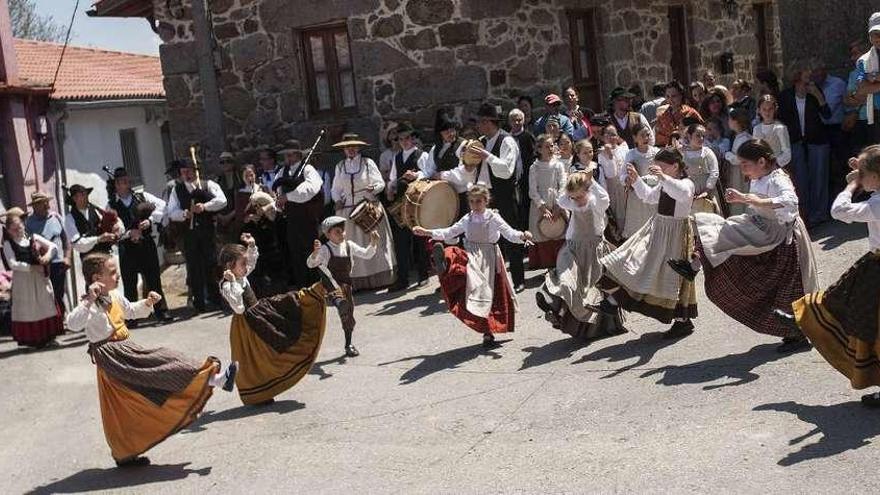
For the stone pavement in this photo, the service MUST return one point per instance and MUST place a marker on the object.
(425, 410)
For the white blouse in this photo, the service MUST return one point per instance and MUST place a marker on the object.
(616, 165)
(21, 266)
(597, 203)
(460, 178)
(776, 135)
(233, 292)
(95, 320)
(709, 161)
(778, 186)
(550, 174)
(681, 190)
(641, 161)
(363, 173)
(322, 257)
(868, 212)
(497, 228)
(738, 141)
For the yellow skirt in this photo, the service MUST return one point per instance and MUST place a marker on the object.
(133, 424)
(855, 358)
(264, 373)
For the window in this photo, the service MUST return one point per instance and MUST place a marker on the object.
(131, 159)
(329, 70)
(762, 15)
(584, 60)
(678, 43)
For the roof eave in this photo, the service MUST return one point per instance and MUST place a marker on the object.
(121, 8)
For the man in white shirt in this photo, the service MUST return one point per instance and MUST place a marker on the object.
(196, 203)
(138, 254)
(299, 191)
(83, 223)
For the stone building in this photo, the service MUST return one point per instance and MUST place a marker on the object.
(240, 73)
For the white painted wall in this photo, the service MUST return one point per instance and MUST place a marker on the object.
(92, 140)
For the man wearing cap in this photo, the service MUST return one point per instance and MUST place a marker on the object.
(50, 225)
(410, 164)
(554, 108)
(500, 154)
(194, 203)
(298, 187)
(624, 119)
(82, 225)
(138, 255)
(868, 79)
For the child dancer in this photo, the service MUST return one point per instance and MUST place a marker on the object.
(773, 131)
(702, 169)
(761, 260)
(568, 287)
(842, 321)
(734, 178)
(636, 276)
(276, 339)
(146, 395)
(641, 158)
(474, 282)
(546, 180)
(335, 256)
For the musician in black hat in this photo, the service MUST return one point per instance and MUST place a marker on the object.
(83, 224)
(196, 202)
(500, 153)
(138, 255)
(442, 157)
(298, 188)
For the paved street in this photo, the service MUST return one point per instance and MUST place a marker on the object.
(425, 410)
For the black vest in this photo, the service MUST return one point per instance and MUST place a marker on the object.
(449, 160)
(23, 254)
(411, 164)
(127, 213)
(88, 227)
(666, 205)
(626, 133)
(185, 198)
(503, 190)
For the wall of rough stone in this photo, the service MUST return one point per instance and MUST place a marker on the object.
(413, 55)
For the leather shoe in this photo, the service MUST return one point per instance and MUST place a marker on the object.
(351, 351)
(679, 330)
(683, 268)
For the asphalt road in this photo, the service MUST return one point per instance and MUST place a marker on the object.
(425, 409)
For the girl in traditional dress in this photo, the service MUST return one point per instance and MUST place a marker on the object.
(546, 180)
(641, 158)
(612, 161)
(772, 131)
(146, 395)
(566, 151)
(474, 282)
(583, 159)
(269, 277)
(569, 288)
(275, 339)
(636, 276)
(702, 169)
(843, 321)
(734, 178)
(758, 261)
(357, 180)
(336, 258)
(36, 318)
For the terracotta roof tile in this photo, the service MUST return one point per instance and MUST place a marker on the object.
(89, 73)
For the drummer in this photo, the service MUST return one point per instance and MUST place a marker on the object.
(358, 180)
(442, 157)
(468, 172)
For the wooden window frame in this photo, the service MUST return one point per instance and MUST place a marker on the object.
(131, 160)
(684, 50)
(327, 33)
(590, 86)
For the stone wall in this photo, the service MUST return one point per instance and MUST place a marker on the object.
(412, 55)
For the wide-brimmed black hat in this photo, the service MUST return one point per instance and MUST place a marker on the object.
(444, 123)
(291, 146)
(405, 128)
(119, 172)
(489, 111)
(176, 165)
(79, 188)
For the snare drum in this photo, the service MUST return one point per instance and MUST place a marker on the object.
(430, 204)
(367, 215)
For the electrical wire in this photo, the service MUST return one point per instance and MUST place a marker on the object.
(66, 41)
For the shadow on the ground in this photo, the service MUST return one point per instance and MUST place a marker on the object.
(318, 367)
(548, 353)
(66, 342)
(642, 349)
(96, 479)
(277, 407)
(845, 426)
(737, 367)
(428, 304)
(834, 234)
(447, 360)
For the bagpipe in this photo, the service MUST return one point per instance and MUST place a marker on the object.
(200, 193)
(288, 183)
(109, 217)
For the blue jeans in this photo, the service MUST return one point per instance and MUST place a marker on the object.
(810, 163)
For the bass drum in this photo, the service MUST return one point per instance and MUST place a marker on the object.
(430, 205)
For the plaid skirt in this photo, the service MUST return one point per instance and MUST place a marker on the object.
(749, 288)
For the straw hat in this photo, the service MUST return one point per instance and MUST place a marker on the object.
(350, 139)
(39, 197)
(12, 212)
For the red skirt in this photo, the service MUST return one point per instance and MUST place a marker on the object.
(37, 333)
(543, 254)
(453, 283)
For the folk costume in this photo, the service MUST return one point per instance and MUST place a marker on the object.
(613, 168)
(638, 212)
(546, 180)
(83, 227)
(269, 277)
(338, 259)
(141, 256)
(776, 135)
(442, 157)
(199, 236)
(568, 290)
(461, 178)
(302, 185)
(357, 180)
(702, 169)
(733, 176)
(759, 261)
(36, 318)
(51, 227)
(276, 339)
(636, 273)
(842, 321)
(474, 283)
(146, 395)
